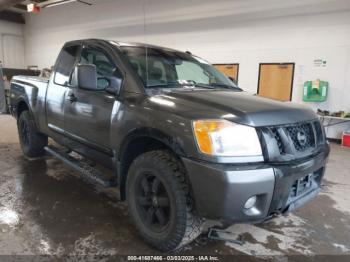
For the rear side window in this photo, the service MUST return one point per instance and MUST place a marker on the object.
(65, 64)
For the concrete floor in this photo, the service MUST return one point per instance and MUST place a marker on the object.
(45, 208)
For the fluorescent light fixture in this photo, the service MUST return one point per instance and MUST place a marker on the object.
(62, 2)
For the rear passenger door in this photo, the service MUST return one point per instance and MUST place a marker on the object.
(88, 116)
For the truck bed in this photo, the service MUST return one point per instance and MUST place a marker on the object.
(30, 78)
(32, 91)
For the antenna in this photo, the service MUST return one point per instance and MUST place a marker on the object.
(144, 37)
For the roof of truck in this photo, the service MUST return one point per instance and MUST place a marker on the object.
(121, 43)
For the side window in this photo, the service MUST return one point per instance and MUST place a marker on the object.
(65, 64)
(104, 66)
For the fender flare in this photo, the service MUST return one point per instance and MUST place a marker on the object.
(152, 133)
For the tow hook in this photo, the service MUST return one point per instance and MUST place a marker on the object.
(223, 235)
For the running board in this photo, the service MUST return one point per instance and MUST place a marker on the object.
(90, 173)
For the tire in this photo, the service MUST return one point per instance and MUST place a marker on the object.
(32, 142)
(179, 225)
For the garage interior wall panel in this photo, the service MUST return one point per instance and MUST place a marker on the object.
(222, 31)
(12, 45)
(13, 51)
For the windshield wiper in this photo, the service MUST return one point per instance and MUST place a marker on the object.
(177, 84)
(204, 86)
(164, 85)
(193, 83)
(226, 86)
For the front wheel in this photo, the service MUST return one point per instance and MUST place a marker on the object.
(32, 142)
(160, 202)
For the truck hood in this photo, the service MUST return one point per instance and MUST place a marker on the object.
(239, 107)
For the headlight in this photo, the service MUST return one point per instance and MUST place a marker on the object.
(224, 138)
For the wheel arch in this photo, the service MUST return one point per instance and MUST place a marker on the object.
(22, 106)
(141, 141)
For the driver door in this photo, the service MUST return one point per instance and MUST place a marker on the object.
(88, 112)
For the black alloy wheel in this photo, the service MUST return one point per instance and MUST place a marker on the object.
(153, 202)
(160, 201)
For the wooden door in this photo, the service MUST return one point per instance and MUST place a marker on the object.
(230, 70)
(276, 81)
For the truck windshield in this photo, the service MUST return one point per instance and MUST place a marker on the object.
(168, 69)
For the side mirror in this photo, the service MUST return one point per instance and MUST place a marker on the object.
(114, 85)
(86, 77)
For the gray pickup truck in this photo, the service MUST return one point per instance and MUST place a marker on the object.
(184, 143)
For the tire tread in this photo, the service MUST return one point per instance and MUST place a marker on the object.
(190, 227)
(38, 141)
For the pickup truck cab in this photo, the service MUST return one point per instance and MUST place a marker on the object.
(184, 143)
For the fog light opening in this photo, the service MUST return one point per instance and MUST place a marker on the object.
(250, 202)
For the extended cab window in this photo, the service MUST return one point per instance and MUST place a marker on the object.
(65, 64)
(104, 66)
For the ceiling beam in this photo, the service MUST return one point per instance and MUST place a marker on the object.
(10, 16)
(21, 7)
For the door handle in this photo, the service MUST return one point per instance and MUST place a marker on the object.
(72, 98)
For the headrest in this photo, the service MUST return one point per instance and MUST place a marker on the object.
(135, 65)
(156, 73)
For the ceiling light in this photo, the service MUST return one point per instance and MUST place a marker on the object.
(62, 2)
(59, 3)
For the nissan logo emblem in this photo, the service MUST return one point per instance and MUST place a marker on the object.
(301, 138)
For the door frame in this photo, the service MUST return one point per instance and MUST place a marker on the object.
(236, 64)
(283, 63)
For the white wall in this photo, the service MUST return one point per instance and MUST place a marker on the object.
(11, 42)
(247, 32)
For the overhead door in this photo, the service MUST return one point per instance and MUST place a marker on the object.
(276, 81)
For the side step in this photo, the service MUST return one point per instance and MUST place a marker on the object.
(92, 174)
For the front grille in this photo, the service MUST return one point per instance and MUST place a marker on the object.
(302, 136)
(319, 133)
(288, 142)
(278, 140)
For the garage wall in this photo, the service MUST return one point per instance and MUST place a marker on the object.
(224, 31)
(11, 45)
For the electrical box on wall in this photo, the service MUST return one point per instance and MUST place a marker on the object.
(315, 91)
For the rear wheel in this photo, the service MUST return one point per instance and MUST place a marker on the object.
(32, 142)
(160, 202)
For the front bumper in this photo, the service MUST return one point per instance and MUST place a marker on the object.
(221, 191)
